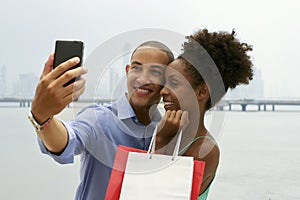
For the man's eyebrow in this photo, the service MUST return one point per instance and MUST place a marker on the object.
(157, 66)
(136, 63)
(151, 65)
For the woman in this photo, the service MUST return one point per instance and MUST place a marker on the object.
(211, 63)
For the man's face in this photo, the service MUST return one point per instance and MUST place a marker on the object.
(145, 76)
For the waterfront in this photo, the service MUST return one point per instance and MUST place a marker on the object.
(259, 159)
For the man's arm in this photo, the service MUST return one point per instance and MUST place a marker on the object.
(52, 97)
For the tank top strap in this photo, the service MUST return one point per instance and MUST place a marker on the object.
(194, 140)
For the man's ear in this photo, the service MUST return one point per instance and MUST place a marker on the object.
(202, 92)
(127, 68)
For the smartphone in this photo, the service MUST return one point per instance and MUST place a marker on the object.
(66, 49)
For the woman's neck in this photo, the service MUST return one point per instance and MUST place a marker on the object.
(194, 129)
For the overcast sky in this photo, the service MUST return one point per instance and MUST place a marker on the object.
(29, 29)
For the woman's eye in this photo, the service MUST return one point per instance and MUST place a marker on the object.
(173, 83)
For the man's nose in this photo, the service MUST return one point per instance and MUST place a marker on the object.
(144, 78)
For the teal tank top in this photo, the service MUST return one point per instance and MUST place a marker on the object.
(204, 195)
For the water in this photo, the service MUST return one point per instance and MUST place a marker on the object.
(259, 159)
(25, 172)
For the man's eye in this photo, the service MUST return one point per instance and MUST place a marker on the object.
(156, 72)
(137, 68)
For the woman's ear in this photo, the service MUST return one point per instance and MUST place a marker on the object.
(202, 92)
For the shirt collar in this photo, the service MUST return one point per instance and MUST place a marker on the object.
(124, 108)
(125, 111)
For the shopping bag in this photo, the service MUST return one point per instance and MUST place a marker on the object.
(116, 178)
(136, 172)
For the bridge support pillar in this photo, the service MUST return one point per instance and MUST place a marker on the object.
(220, 108)
(265, 107)
(244, 107)
(273, 107)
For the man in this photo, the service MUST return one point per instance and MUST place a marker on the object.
(97, 130)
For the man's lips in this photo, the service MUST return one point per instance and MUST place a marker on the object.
(142, 90)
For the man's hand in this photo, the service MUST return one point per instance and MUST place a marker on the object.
(51, 97)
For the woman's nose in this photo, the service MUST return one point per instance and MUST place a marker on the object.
(164, 91)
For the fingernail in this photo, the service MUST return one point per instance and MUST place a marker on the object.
(75, 60)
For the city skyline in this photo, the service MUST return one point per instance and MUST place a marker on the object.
(26, 83)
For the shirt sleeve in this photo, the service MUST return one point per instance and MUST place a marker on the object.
(92, 131)
(82, 135)
(73, 147)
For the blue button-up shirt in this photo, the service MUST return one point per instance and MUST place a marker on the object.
(95, 134)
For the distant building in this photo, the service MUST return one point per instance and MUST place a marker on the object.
(25, 86)
(118, 83)
(3, 81)
(255, 89)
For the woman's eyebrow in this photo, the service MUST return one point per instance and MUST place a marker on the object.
(172, 76)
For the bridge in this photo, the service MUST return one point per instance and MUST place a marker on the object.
(26, 102)
(222, 105)
(23, 102)
(259, 103)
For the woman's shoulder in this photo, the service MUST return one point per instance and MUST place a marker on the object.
(205, 148)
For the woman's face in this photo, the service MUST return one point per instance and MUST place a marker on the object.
(178, 92)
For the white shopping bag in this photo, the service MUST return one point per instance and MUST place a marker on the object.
(150, 176)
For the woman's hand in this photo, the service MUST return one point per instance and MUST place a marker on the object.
(169, 126)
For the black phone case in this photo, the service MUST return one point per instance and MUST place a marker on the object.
(64, 50)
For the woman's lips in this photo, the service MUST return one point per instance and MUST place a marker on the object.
(169, 105)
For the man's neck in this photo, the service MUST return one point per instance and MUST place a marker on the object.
(143, 117)
(144, 114)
